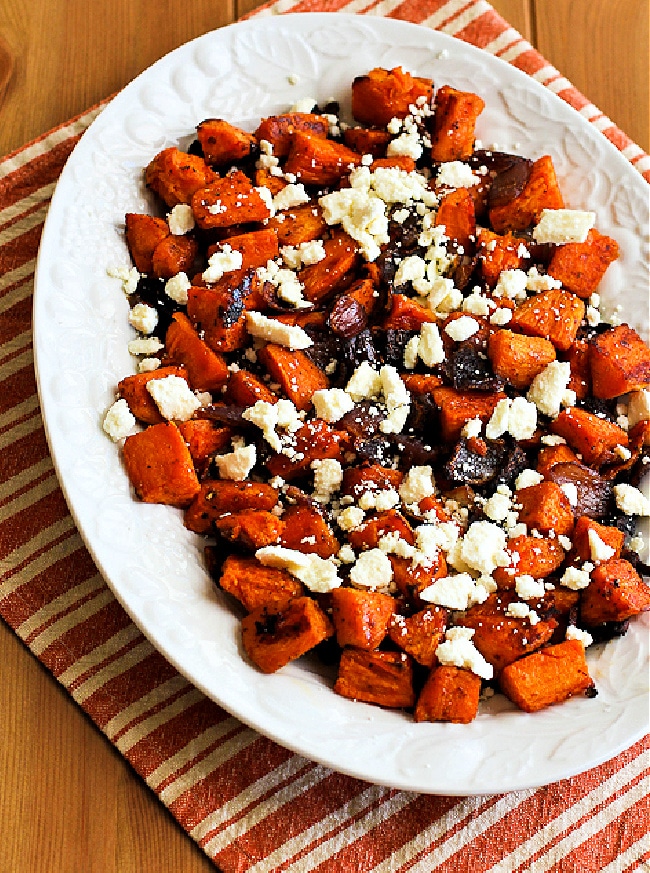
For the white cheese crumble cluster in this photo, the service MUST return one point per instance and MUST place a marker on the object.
(420, 462)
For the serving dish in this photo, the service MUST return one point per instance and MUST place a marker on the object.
(152, 564)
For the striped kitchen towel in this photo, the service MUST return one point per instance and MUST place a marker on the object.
(251, 804)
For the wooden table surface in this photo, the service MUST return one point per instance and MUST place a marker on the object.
(68, 800)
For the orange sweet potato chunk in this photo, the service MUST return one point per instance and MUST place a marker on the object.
(420, 634)
(143, 233)
(611, 536)
(593, 437)
(367, 141)
(175, 175)
(382, 678)
(616, 592)
(619, 362)
(518, 358)
(134, 390)
(160, 467)
(449, 694)
(274, 637)
(333, 272)
(458, 407)
(358, 480)
(228, 201)
(456, 213)
(256, 247)
(280, 129)
(549, 676)
(294, 371)
(305, 530)
(173, 255)
(317, 161)
(407, 314)
(555, 315)
(315, 440)
(299, 224)
(454, 122)
(251, 529)
(532, 556)
(206, 369)
(256, 586)
(382, 94)
(497, 253)
(361, 617)
(245, 389)
(222, 142)
(411, 579)
(540, 192)
(368, 534)
(581, 266)
(216, 497)
(204, 438)
(545, 507)
(549, 456)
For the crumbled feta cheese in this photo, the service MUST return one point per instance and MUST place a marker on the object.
(289, 196)
(361, 214)
(498, 505)
(522, 610)
(350, 517)
(177, 288)
(411, 269)
(331, 404)
(548, 389)
(511, 284)
(529, 588)
(575, 578)
(501, 316)
(372, 569)
(128, 276)
(562, 226)
(410, 358)
(237, 464)
(397, 399)
(570, 491)
(431, 349)
(365, 383)
(144, 318)
(576, 633)
(458, 650)
(290, 335)
(316, 573)
(180, 219)
(173, 397)
(328, 475)
(408, 143)
(638, 407)
(268, 416)
(119, 421)
(456, 174)
(484, 547)
(462, 328)
(537, 281)
(630, 500)
(599, 550)
(145, 346)
(476, 304)
(417, 484)
(527, 478)
(452, 592)
(516, 416)
(148, 365)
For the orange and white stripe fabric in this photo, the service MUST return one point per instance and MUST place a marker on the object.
(253, 806)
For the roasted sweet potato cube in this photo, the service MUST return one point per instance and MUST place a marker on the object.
(305, 530)
(274, 637)
(382, 94)
(228, 201)
(456, 213)
(222, 142)
(619, 361)
(134, 390)
(278, 130)
(204, 438)
(407, 314)
(216, 497)
(585, 530)
(458, 407)
(421, 383)
(315, 440)
(532, 556)
(143, 233)
(368, 534)
(383, 678)
(449, 694)
(549, 676)
(245, 389)
(250, 528)
(518, 358)
(175, 176)
(540, 192)
(317, 161)
(159, 465)
(554, 314)
(454, 123)
(206, 369)
(265, 179)
(396, 162)
(294, 372)
(299, 224)
(358, 480)
(593, 437)
(616, 592)
(581, 266)
(579, 358)
(501, 638)
(420, 634)
(496, 254)
(361, 617)
(256, 247)
(257, 586)
(334, 272)
(411, 579)
(551, 455)
(218, 312)
(367, 141)
(173, 255)
(545, 507)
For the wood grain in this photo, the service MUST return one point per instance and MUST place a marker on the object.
(68, 801)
